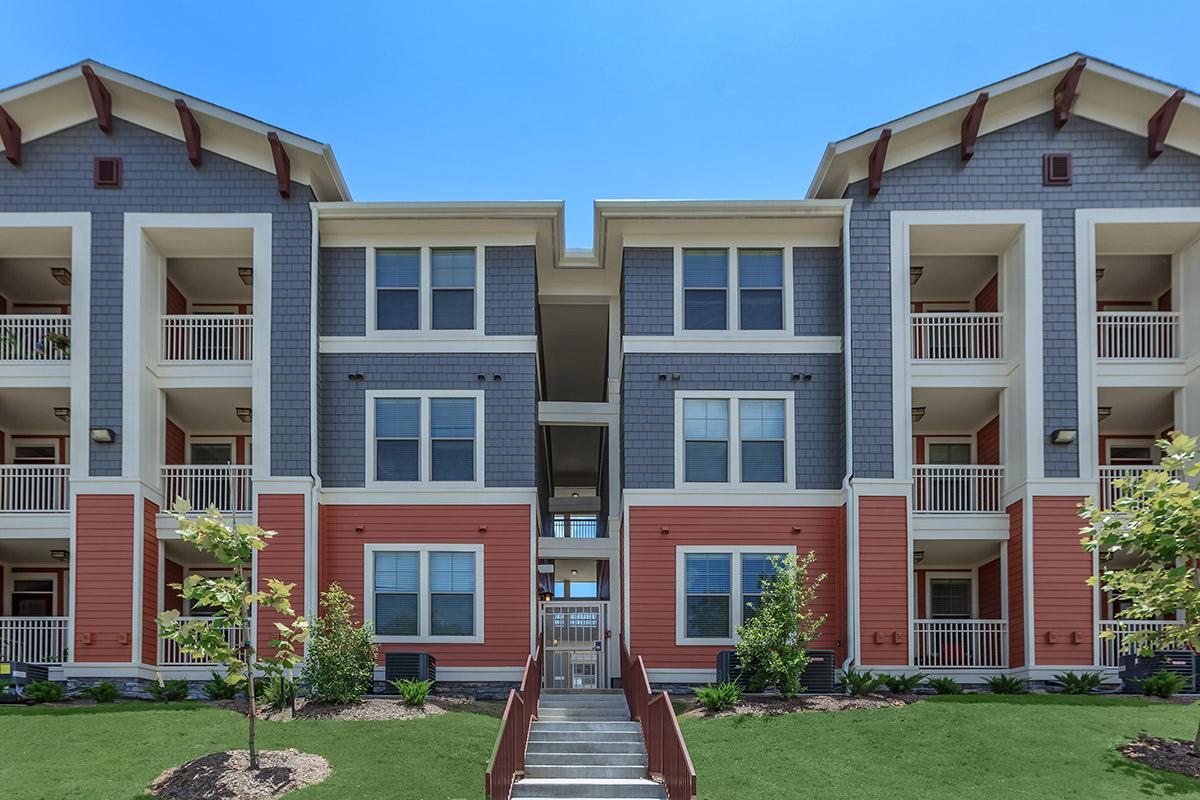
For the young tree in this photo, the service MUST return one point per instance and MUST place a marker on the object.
(339, 664)
(231, 601)
(773, 644)
(1157, 519)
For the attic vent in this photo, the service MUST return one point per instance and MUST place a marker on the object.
(106, 172)
(1056, 169)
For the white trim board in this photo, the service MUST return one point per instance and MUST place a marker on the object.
(736, 606)
(733, 442)
(425, 438)
(424, 590)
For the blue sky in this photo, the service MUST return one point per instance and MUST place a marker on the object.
(581, 99)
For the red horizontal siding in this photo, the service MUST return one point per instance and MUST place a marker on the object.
(150, 584)
(283, 557)
(883, 572)
(652, 569)
(1016, 586)
(990, 604)
(172, 573)
(507, 576)
(1063, 614)
(104, 553)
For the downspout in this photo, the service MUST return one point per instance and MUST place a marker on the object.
(847, 485)
(311, 543)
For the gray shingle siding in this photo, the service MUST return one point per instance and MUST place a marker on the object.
(510, 407)
(56, 175)
(817, 287)
(342, 291)
(510, 289)
(1110, 171)
(648, 410)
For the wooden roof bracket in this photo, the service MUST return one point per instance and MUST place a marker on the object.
(101, 99)
(875, 162)
(970, 127)
(1065, 92)
(283, 165)
(1160, 124)
(191, 132)
(10, 136)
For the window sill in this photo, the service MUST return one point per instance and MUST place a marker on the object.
(685, 642)
(429, 639)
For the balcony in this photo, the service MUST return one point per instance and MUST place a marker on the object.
(35, 487)
(1110, 492)
(206, 338)
(960, 643)
(228, 488)
(1138, 335)
(35, 640)
(1112, 649)
(170, 654)
(575, 526)
(35, 337)
(957, 488)
(966, 336)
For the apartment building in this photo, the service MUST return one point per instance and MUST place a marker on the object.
(975, 319)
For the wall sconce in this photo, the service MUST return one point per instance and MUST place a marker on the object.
(1104, 412)
(1063, 436)
(675, 376)
(354, 376)
(547, 597)
(104, 435)
(61, 274)
(63, 413)
(914, 275)
(247, 275)
(918, 556)
(60, 555)
(918, 413)
(244, 414)
(545, 569)
(497, 377)
(574, 573)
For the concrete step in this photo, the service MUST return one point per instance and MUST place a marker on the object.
(630, 735)
(595, 771)
(632, 759)
(588, 787)
(582, 692)
(558, 726)
(584, 714)
(584, 746)
(618, 703)
(583, 700)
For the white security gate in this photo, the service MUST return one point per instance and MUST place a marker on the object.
(575, 645)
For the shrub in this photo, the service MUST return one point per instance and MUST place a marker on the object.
(45, 692)
(1079, 682)
(1164, 684)
(719, 698)
(217, 688)
(946, 685)
(277, 692)
(413, 692)
(169, 691)
(339, 660)
(904, 684)
(862, 683)
(1005, 684)
(102, 692)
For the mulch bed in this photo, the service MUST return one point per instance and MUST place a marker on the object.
(1169, 755)
(227, 776)
(765, 705)
(371, 708)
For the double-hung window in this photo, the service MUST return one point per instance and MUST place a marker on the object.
(708, 583)
(706, 440)
(708, 278)
(762, 430)
(950, 598)
(425, 288)
(760, 289)
(424, 436)
(757, 571)
(720, 589)
(705, 290)
(759, 424)
(398, 289)
(452, 435)
(452, 281)
(430, 592)
(397, 438)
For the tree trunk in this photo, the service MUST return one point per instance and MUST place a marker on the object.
(1196, 743)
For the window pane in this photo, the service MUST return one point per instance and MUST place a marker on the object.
(708, 573)
(756, 568)
(761, 419)
(396, 460)
(453, 309)
(705, 269)
(1129, 453)
(949, 453)
(761, 309)
(452, 417)
(452, 269)
(397, 418)
(33, 586)
(452, 614)
(453, 460)
(396, 310)
(950, 597)
(451, 572)
(760, 269)
(706, 462)
(708, 617)
(762, 462)
(706, 419)
(397, 572)
(397, 269)
(704, 309)
(396, 614)
(585, 590)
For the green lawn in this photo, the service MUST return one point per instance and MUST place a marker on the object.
(114, 752)
(1038, 747)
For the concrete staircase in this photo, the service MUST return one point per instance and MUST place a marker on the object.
(583, 744)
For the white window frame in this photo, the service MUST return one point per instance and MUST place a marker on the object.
(735, 441)
(733, 307)
(61, 453)
(968, 440)
(424, 480)
(968, 575)
(425, 291)
(736, 611)
(11, 578)
(423, 591)
(201, 438)
(1109, 444)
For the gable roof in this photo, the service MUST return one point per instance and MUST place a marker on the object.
(60, 100)
(1106, 93)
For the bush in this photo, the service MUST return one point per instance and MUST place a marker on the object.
(904, 684)
(1164, 684)
(217, 688)
(276, 692)
(102, 692)
(719, 698)
(45, 692)
(413, 692)
(862, 683)
(169, 691)
(1005, 684)
(339, 658)
(946, 685)
(1079, 682)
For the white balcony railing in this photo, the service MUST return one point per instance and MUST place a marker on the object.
(960, 643)
(207, 337)
(957, 488)
(170, 655)
(229, 488)
(1109, 475)
(35, 487)
(35, 337)
(958, 336)
(1137, 334)
(1112, 649)
(34, 640)
(575, 526)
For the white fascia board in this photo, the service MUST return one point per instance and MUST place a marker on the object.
(571, 413)
(748, 498)
(695, 209)
(958, 527)
(503, 209)
(735, 342)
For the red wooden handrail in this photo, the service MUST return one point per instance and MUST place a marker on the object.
(666, 752)
(508, 756)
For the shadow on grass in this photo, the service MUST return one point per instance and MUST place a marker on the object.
(1153, 782)
(1092, 700)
